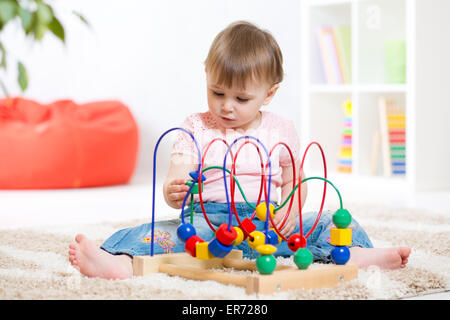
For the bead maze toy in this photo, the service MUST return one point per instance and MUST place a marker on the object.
(203, 260)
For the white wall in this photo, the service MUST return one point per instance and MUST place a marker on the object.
(149, 54)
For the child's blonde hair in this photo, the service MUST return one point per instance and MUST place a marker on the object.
(243, 52)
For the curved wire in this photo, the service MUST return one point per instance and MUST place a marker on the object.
(225, 180)
(154, 179)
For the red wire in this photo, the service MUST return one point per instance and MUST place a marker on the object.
(200, 179)
(300, 194)
(263, 185)
(293, 183)
(233, 183)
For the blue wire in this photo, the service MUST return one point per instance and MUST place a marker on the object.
(268, 190)
(154, 180)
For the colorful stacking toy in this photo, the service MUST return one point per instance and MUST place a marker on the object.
(263, 241)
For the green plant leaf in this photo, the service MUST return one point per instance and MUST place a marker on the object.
(39, 28)
(8, 10)
(44, 13)
(82, 18)
(27, 17)
(3, 52)
(23, 76)
(57, 29)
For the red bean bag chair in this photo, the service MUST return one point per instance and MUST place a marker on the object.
(65, 145)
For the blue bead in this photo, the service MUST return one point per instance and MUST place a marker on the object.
(194, 175)
(340, 254)
(271, 237)
(185, 231)
(217, 249)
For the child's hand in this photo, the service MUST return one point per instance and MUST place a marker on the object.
(175, 192)
(289, 225)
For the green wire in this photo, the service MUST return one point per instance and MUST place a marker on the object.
(304, 180)
(287, 199)
(192, 209)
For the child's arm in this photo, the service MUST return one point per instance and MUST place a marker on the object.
(174, 188)
(286, 189)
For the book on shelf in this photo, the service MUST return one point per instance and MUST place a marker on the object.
(335, 52)
(391, 138)
(343, 36)
(345, 150)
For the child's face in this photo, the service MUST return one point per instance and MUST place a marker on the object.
(235, 108)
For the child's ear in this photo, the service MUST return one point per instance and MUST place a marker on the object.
(271, 93)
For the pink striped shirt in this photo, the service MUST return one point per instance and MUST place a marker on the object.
(272, 129)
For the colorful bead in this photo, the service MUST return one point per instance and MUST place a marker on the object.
(185, 231)
(247, 226)
(239, 237)
(217, 249)
(258, 239)
(303, 258)
(191, 243)
(341, 237)
(342, 218)
(340, 255)
(225, 236)
(202, 251)
(261, 211)
(266, 249)
(266, 264)
(194, 176)
(194, 189)
(272, 237)
(296, 241)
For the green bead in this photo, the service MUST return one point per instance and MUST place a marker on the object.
(342, 218)
(194, 189)
(266, 264)
(303, 258)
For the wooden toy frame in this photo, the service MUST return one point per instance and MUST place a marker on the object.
(283, 278)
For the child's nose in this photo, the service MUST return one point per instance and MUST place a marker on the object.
(227, 106)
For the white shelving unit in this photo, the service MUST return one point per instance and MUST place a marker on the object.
(424, 26)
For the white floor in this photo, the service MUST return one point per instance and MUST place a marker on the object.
(34, 208)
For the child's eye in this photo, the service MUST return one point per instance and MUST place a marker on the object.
(219, 94)
(242, 99)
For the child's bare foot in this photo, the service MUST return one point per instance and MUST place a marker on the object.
(385, 258)
(95, 262)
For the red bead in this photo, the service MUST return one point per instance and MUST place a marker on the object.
(225, 236)
(296, 241)
(189, 247)
(247, 226)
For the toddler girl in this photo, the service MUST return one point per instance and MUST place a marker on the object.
(243, 73)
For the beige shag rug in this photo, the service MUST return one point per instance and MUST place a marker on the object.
(34, 264)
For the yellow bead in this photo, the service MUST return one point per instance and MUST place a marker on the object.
(266, 249)
(341, 237)
(240, 236)
(258, 239)
(261, 211)
(202, 251)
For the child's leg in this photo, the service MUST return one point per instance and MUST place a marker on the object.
(113, 259)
